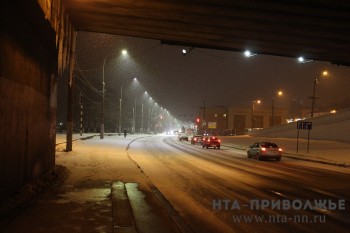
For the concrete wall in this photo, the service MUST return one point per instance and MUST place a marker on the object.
(30, 53)
(334, 127)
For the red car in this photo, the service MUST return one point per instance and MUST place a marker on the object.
(196, 139)
(211, 142)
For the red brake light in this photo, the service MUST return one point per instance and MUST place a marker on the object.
(280, 149)
(219, 140)
(263, 149)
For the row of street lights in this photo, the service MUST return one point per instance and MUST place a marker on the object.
(150, 111)
(279, 94)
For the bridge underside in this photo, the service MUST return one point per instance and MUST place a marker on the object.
(316, 29)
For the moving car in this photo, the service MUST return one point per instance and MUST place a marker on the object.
(211, 142)
(196, 139)
(261, 150)
(183, 137)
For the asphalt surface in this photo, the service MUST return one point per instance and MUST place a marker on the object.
(193, 179)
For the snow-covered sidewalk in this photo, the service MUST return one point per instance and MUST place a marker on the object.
(92, 199)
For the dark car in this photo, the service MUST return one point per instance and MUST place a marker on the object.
(196, 139)
(211, 142)
(261, 150)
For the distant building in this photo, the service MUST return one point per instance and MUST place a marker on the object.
(220, 120)
(213, 120)
(242, 119)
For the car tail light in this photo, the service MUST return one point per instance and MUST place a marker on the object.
(263, 149)
(219, 140)
(195, 139)
(280, 149)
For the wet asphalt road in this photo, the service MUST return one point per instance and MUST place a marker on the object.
(198, 182)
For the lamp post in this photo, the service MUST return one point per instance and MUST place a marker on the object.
(314, 97)
(253, 106)
(134, 117)
(120, 106)
(141, 118)
(124, 52)
(149, 115)
(279, 93)
(142, 115)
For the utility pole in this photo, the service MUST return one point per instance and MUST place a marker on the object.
(142, 118)
(273, 112)
(69, 135)
(313, 97)
(149, 116)
(102, 129)
(81, 114)
(133, 129)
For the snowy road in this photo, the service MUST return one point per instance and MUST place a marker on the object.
(198, 182)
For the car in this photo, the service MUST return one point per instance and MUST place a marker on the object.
(196, 139)
(213, 141)
(183, 137)
(263, 150)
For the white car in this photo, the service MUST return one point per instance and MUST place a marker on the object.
(183, 137)
(261, 150)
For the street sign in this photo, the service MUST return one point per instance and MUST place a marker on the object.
(304, 125)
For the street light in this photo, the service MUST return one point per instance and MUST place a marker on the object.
(142, 129)
(253, 106)
(248, 53)
(120, 105)
(102, 129)
(279, 93)
(149, 115)
(314, 97)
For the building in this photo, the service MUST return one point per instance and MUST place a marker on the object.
(213, 120)
(220, 120)
(242, 119)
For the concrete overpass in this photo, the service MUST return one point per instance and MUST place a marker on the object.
(37, 41)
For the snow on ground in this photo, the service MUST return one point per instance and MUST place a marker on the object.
(96, 159)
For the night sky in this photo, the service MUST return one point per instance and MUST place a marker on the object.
(182, 83)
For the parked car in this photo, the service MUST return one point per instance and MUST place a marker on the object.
(261, 150)
(211, 142)
(183, 137)
(196, 139)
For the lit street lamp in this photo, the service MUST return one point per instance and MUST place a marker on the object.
(314, 97)
(279, 93)
(253, 107)
(102, 129)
